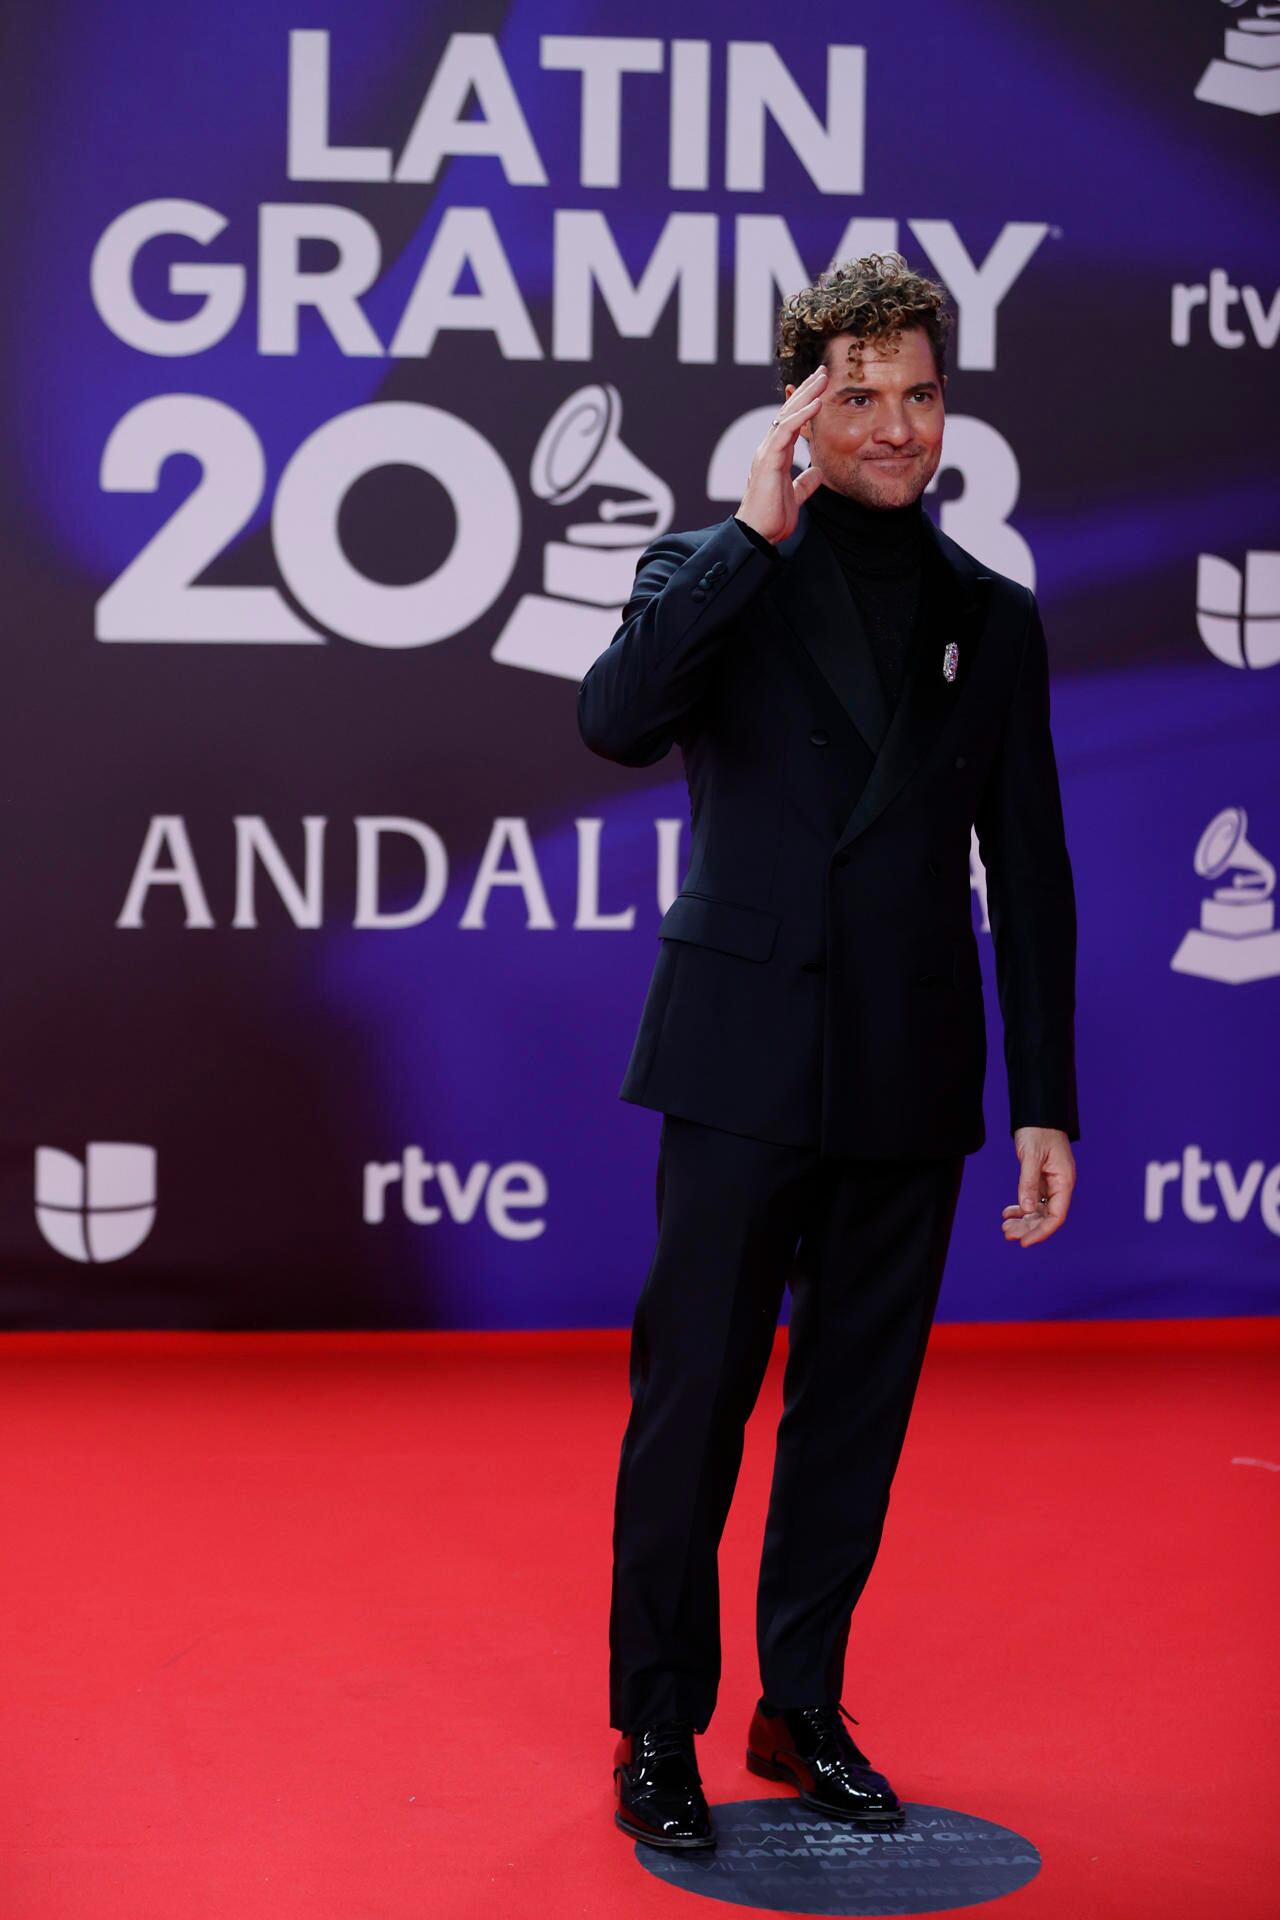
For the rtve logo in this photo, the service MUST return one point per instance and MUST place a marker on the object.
(1218, 296)
(100, 1209)
(516, 1186)
(1189, 1176)
(1239, 614)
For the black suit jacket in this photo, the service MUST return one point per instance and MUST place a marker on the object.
(818, 980)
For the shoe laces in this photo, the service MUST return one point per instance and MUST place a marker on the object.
(672, 1740)
(825, 1722)
(826, 1718)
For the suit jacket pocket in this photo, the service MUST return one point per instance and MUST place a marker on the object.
(704, 922)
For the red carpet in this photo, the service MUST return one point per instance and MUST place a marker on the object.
(313, 1627)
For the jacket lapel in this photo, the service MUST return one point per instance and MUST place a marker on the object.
(810, 595)
(953, 606)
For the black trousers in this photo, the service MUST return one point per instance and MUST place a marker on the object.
(862, 1244)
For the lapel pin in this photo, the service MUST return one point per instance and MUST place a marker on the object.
(950, 660)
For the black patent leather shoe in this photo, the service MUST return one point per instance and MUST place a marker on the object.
(812, 1749)
(659, 1788)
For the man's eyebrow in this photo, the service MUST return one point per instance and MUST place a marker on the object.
(917, 386)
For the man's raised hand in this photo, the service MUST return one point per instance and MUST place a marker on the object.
(772, 501)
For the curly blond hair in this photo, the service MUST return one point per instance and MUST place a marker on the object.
(875, 298)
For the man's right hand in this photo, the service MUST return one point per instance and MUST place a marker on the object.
(772, 501)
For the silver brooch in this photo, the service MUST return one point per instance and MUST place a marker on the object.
(950, 660)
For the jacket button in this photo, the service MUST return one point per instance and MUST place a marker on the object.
(842, 859)
(819, 739)
(933, 868)
(698, 593)
(960, 760)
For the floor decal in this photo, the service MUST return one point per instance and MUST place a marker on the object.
(778, 1857)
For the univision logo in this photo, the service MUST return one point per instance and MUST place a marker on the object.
(100, 1209)
(1238, 614)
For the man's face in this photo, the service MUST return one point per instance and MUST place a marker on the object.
(878, 434)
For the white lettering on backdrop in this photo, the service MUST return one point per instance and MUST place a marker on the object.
(472, 107)
(509, 861)
(167, 861)
(587, 265)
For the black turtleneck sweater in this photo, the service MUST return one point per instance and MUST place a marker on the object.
(881, 554)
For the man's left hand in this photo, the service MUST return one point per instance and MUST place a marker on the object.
(1045, 1185)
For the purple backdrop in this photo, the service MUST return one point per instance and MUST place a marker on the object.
(346, 371)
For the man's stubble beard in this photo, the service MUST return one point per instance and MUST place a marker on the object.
(857, 482)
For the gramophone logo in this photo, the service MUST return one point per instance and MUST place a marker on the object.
(101, 1208)
(1236, 939)
(1248, 75)
(1239, 614)
(587, 576)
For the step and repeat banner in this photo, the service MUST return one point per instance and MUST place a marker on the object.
(350, 356)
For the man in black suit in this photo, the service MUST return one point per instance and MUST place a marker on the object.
(851, 691)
